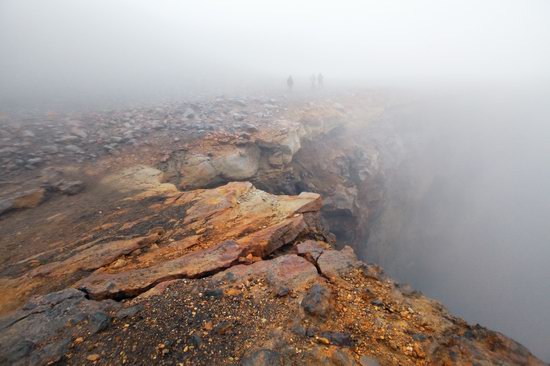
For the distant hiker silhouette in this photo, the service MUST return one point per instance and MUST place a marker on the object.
(313, 81)
(290, 82)
(320, 80)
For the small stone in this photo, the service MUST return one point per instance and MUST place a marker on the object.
(119, 263)
(377, 302)
(70, 188)
(74, 149)
(317, 300)
(99, 321)
(93, 357)
(196, 340)
(128, 312)
(216, 293)
(419, 352)
(323, 340)
(338, 338)
(283, 291)
(223, 328)
(232, 292)
(34, 161)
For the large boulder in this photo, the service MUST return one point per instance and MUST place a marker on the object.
(239, 163)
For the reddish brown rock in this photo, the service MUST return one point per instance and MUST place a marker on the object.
(288, 271)
(338, 262)
(215, 228)
(133, 282)
(311, 250)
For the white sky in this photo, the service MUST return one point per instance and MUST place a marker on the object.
(137, 42)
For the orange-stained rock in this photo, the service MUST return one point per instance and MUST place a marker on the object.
(86, 258)
(165, 234)
(286, 271)
(130, 283)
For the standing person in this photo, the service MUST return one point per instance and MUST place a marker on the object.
(290, 82)
(320, 80)
(313, 80)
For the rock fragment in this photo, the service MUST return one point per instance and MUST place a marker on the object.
(317, 301)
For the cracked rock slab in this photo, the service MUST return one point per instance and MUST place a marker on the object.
(162, 234)
(288, 271)
(130, 283)
(338, 262)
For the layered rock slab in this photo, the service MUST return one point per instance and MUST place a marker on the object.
(160, 233)
(271, 223)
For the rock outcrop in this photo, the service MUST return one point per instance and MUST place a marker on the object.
(219, 255)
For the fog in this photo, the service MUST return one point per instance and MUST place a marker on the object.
(75, 50)
(466, 217)
(474, 193)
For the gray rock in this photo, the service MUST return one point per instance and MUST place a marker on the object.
(40, 332)
(317, 301)
(338, 262)
(68, 138)
(238, 117)
(189, 113)
(50, 149)
(99, 321)
(129, 312)
(263, 357)
(242, 163)
(70, 187)
(217, 293)
(5, 205)
(79, 132)
(34, 161)
(74, 149)
(338, 338)
(196, 340)
(51, 353)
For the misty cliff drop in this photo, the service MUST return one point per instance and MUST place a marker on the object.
(223, 232)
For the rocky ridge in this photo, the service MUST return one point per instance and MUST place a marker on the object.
(213, 252)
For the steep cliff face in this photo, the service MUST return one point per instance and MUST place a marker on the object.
(213, 252)
(320, 148)
(464, 196)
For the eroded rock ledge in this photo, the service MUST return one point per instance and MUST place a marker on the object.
(224, 276)
(182, 265)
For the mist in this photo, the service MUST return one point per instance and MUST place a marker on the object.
(73, 50)
(467, 214)
(467, 206)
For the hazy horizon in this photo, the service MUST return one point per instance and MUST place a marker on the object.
(75, 49)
